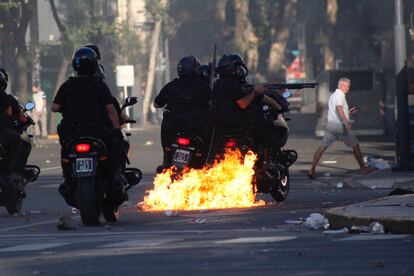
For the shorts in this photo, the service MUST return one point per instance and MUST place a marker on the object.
(335, 131)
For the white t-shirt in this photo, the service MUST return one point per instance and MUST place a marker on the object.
(337, 98)
(38, 100)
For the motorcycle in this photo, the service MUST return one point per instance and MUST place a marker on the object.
(272, 165)
(12, 190)
(88, 160)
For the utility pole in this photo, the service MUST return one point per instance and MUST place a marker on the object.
(403, 128)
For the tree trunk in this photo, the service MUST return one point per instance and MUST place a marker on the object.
(151, 70)
(245, 39)
(281, 38)
(59, 81)
(328, 53)
(21, 74)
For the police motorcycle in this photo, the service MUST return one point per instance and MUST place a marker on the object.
(272, 165)
(12, 190)
(88, 160)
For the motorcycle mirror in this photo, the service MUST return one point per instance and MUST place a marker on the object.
(129, 101)
(287, 93)
(29, 106)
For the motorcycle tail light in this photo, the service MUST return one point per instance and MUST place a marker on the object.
(82, 148)
(230, 143)
(183, 141)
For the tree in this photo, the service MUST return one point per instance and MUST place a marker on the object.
(15, 17)
(331, 18)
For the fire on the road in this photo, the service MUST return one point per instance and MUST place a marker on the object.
(226, 184)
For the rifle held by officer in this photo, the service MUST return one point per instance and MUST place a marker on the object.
(289, 86)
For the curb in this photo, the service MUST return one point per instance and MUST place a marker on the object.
(339, 217)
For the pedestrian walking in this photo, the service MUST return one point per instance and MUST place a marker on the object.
(338, 127)
(40, 111)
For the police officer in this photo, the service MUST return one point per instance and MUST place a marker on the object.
(15, 122)
(205, 72)
(237, 104)
(100, 71)
(86, 103)
(186, 100)
(9, 138)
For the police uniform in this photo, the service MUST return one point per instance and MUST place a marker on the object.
(83, 100)
(186, 102)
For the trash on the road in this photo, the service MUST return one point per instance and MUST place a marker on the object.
(317, 221)
(357, 229)
(47, 161)
(198, 221)
(377, 163)
(293, 222)
(66, 223)
(35, 212)
(149, 143)
(329, 162)
(327, 174)
(74, 211)
(108, 227)
(339, 185)
(170, 213)
(327, 203)
(337, 231)
(376, 228)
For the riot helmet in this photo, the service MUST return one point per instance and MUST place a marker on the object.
(85, 61)
(96, 49)
(3, 81)
(232, 65)
(205, 72)
(188, 66)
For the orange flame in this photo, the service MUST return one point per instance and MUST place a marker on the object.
(225, 184)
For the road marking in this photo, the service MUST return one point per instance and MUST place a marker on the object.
(49, 186)
(139, 243)
(257, 240)
(31, 247)
(368, 237)
(31, 225)
(49, 169)
(134, 233)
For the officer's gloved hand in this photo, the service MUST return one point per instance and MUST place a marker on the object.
(117, 133)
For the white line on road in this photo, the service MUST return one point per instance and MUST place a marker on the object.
(132, 233)
(139, 243)
(257, 240)
(49, 169)
(31, 225)
(31, 247)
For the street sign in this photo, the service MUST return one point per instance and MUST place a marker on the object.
(125, 75)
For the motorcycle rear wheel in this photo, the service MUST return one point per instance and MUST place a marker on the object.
(280, 191)
(87, 200)
(14, 206)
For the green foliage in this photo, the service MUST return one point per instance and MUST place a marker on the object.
(264, 15)
(127, 45)
(8, 4)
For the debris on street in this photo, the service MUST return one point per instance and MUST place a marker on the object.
(66, 223)
(338, 231)
(170, 213)
(293, 222)
(317, 221)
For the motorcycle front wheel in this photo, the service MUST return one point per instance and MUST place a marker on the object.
(280, 190)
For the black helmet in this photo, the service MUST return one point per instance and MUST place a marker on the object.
(3, 81)
(232, 65)
(188, 66)
(5, 73)
(85, 61)
(96, 49)
(205, 72)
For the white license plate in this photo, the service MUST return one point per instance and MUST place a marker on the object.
(181, 156)
(84, 165)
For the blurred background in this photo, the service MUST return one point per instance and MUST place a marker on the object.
(280, 40)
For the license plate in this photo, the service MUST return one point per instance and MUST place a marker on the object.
(181, 156)
(84, 165)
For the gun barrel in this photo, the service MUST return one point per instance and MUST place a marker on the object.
(273, 86)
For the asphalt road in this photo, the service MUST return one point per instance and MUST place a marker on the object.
(232, 241)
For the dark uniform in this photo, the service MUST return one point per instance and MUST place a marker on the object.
(83, 100)
(186, 101)
(9, 138)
